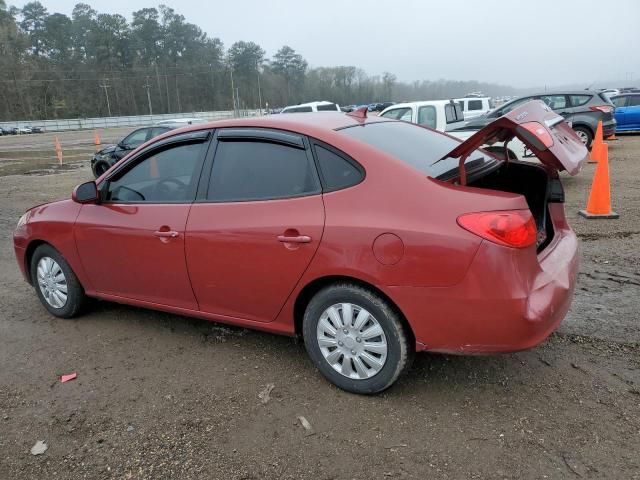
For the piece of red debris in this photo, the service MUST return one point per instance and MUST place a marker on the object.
(66, 378)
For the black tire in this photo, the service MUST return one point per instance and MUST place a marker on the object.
(586, 132)
(75, 292)
(100, 167)
(399, 348)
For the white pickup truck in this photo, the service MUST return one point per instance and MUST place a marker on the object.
(446, 116)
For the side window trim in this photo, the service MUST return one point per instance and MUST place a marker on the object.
(341, 154)
(258, 135)
(289, 139)
(199, 136)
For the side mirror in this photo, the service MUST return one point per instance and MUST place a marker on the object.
(85, 193)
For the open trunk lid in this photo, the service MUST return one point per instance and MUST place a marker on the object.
(543, 131)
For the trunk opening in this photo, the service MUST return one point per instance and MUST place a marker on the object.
(534, 183)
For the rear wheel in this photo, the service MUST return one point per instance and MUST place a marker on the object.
(55, 283)
(585, 135)
(355, 338)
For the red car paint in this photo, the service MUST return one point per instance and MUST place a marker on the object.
(397, 230)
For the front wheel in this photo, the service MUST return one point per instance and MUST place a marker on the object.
(355, 339)
(585, 135)
(55, 283)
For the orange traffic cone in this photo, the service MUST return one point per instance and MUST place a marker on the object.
(96, 138)
(596, 145)
(599, 204)
(58, 150)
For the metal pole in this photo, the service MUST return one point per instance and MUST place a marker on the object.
(259, 91)
(147, 87)
(233, 91)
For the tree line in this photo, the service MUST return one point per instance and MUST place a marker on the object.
(98, 64)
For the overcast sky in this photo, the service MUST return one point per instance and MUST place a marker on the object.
(518, 43)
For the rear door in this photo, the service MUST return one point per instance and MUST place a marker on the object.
(256, 225)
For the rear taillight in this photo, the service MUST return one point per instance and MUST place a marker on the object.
(511, 228)
(601, 108)
(539, 132)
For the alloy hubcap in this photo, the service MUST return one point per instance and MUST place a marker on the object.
(352, 341)
(52, 282)
(582, 136)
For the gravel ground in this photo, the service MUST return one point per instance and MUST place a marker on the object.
(162, 396)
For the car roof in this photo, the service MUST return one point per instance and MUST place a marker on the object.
(630, 94)
(308, 124)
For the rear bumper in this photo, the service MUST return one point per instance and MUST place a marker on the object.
(499, 306)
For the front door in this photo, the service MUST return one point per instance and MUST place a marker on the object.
(250, 239)
(132, 244)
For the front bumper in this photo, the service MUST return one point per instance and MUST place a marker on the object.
(500, 306)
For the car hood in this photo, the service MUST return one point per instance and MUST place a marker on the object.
(107, 149)
(542, 130)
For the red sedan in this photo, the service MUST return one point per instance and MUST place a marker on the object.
(371, 238)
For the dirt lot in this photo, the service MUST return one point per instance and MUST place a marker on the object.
(161, 396)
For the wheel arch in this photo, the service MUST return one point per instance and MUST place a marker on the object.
(308, 291)
(583, 125)
(31, 248)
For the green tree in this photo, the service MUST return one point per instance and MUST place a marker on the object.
(292, 66)
(34, 15)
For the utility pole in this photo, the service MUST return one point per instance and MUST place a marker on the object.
(105, 85)
(233, 91)
(259, 91)
(147, 86)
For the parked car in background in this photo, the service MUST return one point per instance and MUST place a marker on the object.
(581, 108)
(627, 112)
(312, 107)
(441, 115)
(37, 129)
(378, 107)
(24, 130)
(180, 122)
(473, 107)
(104, 159)
(250, 222)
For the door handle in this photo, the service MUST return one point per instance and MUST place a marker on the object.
(294, 239)
(166, 233)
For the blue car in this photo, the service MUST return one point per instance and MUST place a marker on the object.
(627, 112)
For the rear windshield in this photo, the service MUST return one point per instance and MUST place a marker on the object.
(298, 110)
(414, 145)
(331, 107)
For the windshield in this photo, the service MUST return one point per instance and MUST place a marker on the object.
(414, 145)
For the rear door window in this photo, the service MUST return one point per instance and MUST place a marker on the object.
(245, 170)
(427, 116)
(579, 100)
